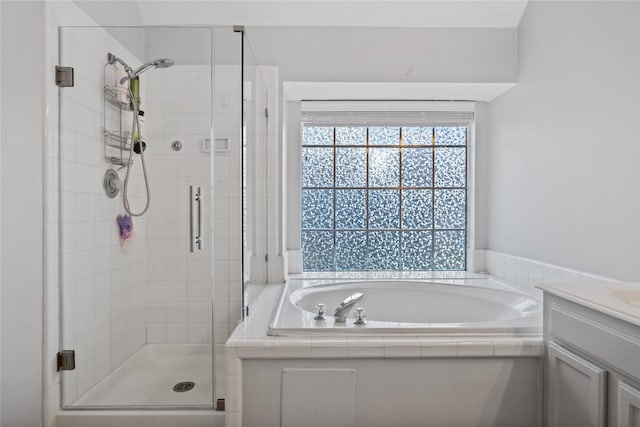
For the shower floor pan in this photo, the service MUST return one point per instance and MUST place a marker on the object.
(148, 378)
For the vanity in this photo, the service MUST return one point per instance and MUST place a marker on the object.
(592, 360)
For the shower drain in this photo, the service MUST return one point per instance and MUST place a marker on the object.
(184, 386)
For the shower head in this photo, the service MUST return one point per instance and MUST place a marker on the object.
(132, 74)
(158, 63)
(164, 63)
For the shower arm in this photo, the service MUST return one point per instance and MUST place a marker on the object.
(141, 70)
(112, 59)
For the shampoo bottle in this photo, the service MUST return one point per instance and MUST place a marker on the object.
(122, 86)
(134, 86)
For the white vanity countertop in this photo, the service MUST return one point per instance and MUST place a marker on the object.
(617, 299)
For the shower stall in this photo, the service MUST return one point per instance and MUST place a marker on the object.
(150, 215)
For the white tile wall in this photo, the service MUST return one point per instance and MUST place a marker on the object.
(95, 294)
(178, 283)
(526, 273)
(101, 277)
(103, 288)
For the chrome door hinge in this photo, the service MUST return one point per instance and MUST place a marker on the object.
(64, 76)
(66, 360)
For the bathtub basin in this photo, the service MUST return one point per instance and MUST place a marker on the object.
(481, 307)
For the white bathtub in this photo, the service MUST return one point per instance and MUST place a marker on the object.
(453, 307)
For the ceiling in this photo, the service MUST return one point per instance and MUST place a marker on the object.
(324, 13)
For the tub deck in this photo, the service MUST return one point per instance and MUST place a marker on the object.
(461, 307)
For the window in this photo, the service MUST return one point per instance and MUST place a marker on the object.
(383, 197)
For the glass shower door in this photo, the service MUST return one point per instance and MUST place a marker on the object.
(136, 277)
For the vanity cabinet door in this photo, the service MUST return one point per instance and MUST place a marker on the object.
(628, 410)
(576, 390)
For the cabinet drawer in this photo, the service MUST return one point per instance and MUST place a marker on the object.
(617, 348)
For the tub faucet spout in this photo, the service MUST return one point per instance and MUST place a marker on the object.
(342, 311)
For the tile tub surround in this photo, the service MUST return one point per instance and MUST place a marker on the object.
(250, 342)
(524, 273)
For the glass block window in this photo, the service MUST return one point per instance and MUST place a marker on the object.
(384, 198)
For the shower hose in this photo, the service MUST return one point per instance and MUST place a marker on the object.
(125, 191)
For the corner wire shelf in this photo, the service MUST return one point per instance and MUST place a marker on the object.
(111, 96)
(117, 142)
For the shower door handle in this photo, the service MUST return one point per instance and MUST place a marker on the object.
(195, 232)
(199, 197)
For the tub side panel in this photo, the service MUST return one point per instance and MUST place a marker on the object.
(411, 392)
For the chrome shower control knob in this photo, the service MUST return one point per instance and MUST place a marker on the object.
(111, 183)
(361, 316)
(321, 311)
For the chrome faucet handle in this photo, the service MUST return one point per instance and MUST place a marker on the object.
(361, 316)
(321, 311)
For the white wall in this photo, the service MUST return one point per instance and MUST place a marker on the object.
(564, 171)
(22, 233)
(263, 174)
(186, 46)
(481, 172)
(291, 170)
(347, 13)
(120, 13)
(349, 54)
(0, 218)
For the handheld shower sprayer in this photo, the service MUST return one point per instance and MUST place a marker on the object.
(135, 105)
(131, 73)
